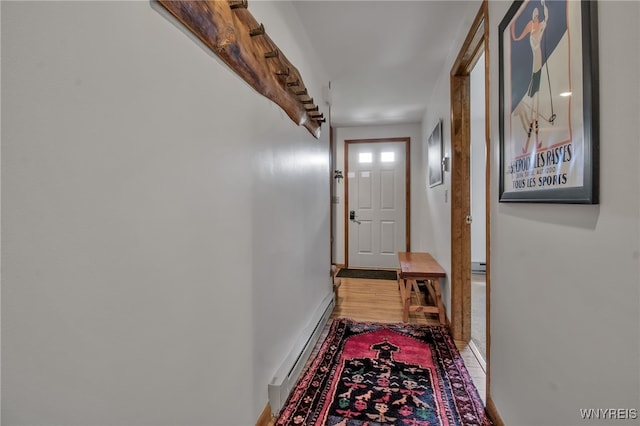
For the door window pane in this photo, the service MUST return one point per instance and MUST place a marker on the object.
(387, 157)
(365, 157)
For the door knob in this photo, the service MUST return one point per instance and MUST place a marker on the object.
(352, 217)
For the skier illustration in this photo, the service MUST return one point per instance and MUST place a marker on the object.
(535, 30)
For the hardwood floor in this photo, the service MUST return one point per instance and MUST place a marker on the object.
(379, 300)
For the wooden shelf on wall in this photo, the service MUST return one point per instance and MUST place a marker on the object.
(232, 33)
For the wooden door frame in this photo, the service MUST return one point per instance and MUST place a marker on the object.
(476, 43)
(407, 208)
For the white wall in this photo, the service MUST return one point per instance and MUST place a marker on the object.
(164, 227)
(565, 303)
(565, 298)
(417, 171)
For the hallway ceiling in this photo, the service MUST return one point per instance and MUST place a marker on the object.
(383, 57)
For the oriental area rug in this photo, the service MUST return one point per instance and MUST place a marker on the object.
(371, 374)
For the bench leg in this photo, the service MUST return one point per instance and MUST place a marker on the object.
(441, 312)
(406, 299)
(416, 290)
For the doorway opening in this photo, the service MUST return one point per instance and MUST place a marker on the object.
(478, 212)
(474, 49)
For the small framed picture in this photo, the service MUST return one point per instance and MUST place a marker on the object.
(549, 132)
(434, 156)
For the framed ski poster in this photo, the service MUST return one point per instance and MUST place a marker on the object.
(549, 131)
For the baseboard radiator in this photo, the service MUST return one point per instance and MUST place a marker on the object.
(285, 378)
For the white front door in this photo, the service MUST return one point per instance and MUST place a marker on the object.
(376, 208)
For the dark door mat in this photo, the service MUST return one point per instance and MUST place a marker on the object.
(372, 274)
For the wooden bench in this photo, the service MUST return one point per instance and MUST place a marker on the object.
(416, 267)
